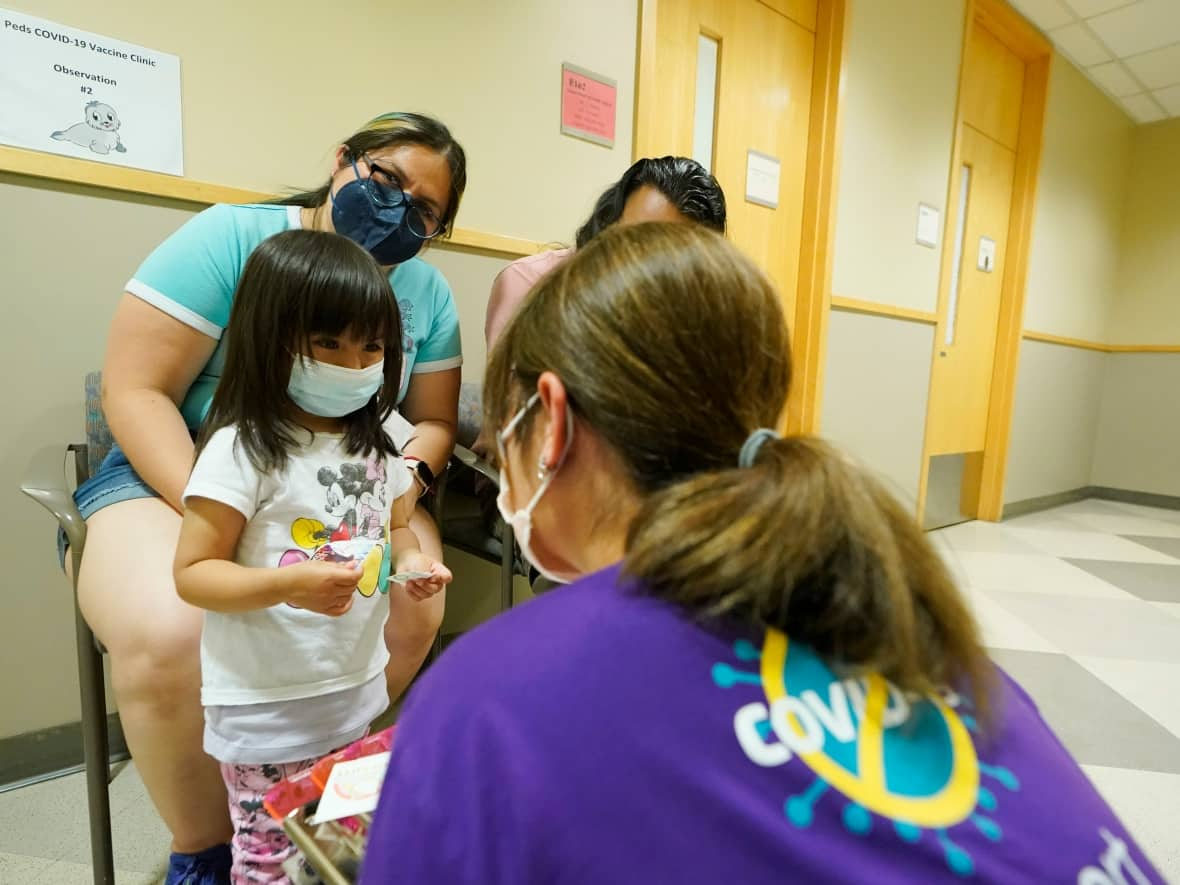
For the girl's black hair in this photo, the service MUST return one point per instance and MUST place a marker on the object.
(685, 182)
(296, 285)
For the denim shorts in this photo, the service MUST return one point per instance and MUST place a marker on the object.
(116, 481)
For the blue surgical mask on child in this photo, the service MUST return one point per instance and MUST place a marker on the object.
(329, 391)
(382, 231)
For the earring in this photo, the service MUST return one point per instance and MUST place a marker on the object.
(541, 469)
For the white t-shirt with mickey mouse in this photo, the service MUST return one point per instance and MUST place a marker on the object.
(325, 504)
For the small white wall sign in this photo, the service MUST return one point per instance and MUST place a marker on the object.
(928, 218)
(762, 179)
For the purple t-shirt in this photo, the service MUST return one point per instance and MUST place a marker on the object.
(596, 736)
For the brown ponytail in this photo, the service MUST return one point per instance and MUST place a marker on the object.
(806, 542)
(673, 347)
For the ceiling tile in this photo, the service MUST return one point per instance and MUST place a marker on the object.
(1113, 77)
(1143, 109)
(1045, 14)
(1170, 99)
(1080, 45)
(1140, 27)
(1157, 69)
(1088, 8)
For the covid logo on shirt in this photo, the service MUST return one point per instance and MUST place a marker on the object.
(910, 761)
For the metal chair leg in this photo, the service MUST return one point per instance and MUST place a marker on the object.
(95, 745)
(96, 752)
(507, 566)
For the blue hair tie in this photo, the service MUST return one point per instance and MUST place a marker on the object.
(753, 444)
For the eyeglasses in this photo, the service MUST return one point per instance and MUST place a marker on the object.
(384, 190)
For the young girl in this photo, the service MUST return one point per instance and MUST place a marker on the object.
(296, 499)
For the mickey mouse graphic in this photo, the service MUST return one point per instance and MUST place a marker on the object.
(356, 498)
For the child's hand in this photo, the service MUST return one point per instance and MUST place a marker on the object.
(423, 588)
(323, 587)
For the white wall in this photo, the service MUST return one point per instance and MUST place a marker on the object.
(271, 86)
(1054, 425)
(1138, 438)
(1138, 444)
(1081, 193)
(875, 394)
(1073, 282)
(1147, 310)
(68, 252)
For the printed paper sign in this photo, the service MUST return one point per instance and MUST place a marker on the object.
(762, 179)
(588, 103)
(83, 95)
(928, 218)
(353, 788)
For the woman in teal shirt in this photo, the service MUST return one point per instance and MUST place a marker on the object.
(395, 185)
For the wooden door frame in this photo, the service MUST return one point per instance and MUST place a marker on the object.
(809, 325)
(982, 491)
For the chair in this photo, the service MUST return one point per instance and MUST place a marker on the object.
(45, 483)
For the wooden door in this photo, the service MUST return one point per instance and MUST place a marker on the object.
(961, 376)
(765, 54)
(1003, 83)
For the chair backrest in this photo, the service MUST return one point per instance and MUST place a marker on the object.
(470, 413)
(98, 433)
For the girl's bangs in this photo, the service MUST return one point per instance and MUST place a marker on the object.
(367, 311)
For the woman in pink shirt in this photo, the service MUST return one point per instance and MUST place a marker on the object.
(653, 189)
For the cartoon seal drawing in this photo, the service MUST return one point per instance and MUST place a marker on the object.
(98, 131)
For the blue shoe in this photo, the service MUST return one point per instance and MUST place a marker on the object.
(208, 867)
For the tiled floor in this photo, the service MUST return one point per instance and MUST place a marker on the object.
(44, 835)
(1081, 604)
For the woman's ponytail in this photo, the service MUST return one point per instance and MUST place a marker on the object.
(805, 541)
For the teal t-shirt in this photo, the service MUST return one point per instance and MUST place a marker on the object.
(193, 274)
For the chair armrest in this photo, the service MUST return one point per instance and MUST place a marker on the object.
(44, 481)
(469, 459)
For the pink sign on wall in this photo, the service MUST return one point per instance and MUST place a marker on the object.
(588, 103)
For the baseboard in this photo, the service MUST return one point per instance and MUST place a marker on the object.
(1104, 493)
(1045, 502)
(1127, 496)
(40, 755)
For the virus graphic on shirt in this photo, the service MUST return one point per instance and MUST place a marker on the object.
(923, 777)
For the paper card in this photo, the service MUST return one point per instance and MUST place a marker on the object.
(763, 173)
(353, 788)
(403, 577)
(83, 95)
(928, 218)
(588, 103)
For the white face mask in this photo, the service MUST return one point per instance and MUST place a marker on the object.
(521, 521)
(333, 391)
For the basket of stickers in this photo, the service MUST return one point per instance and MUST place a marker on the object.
(327, 809)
